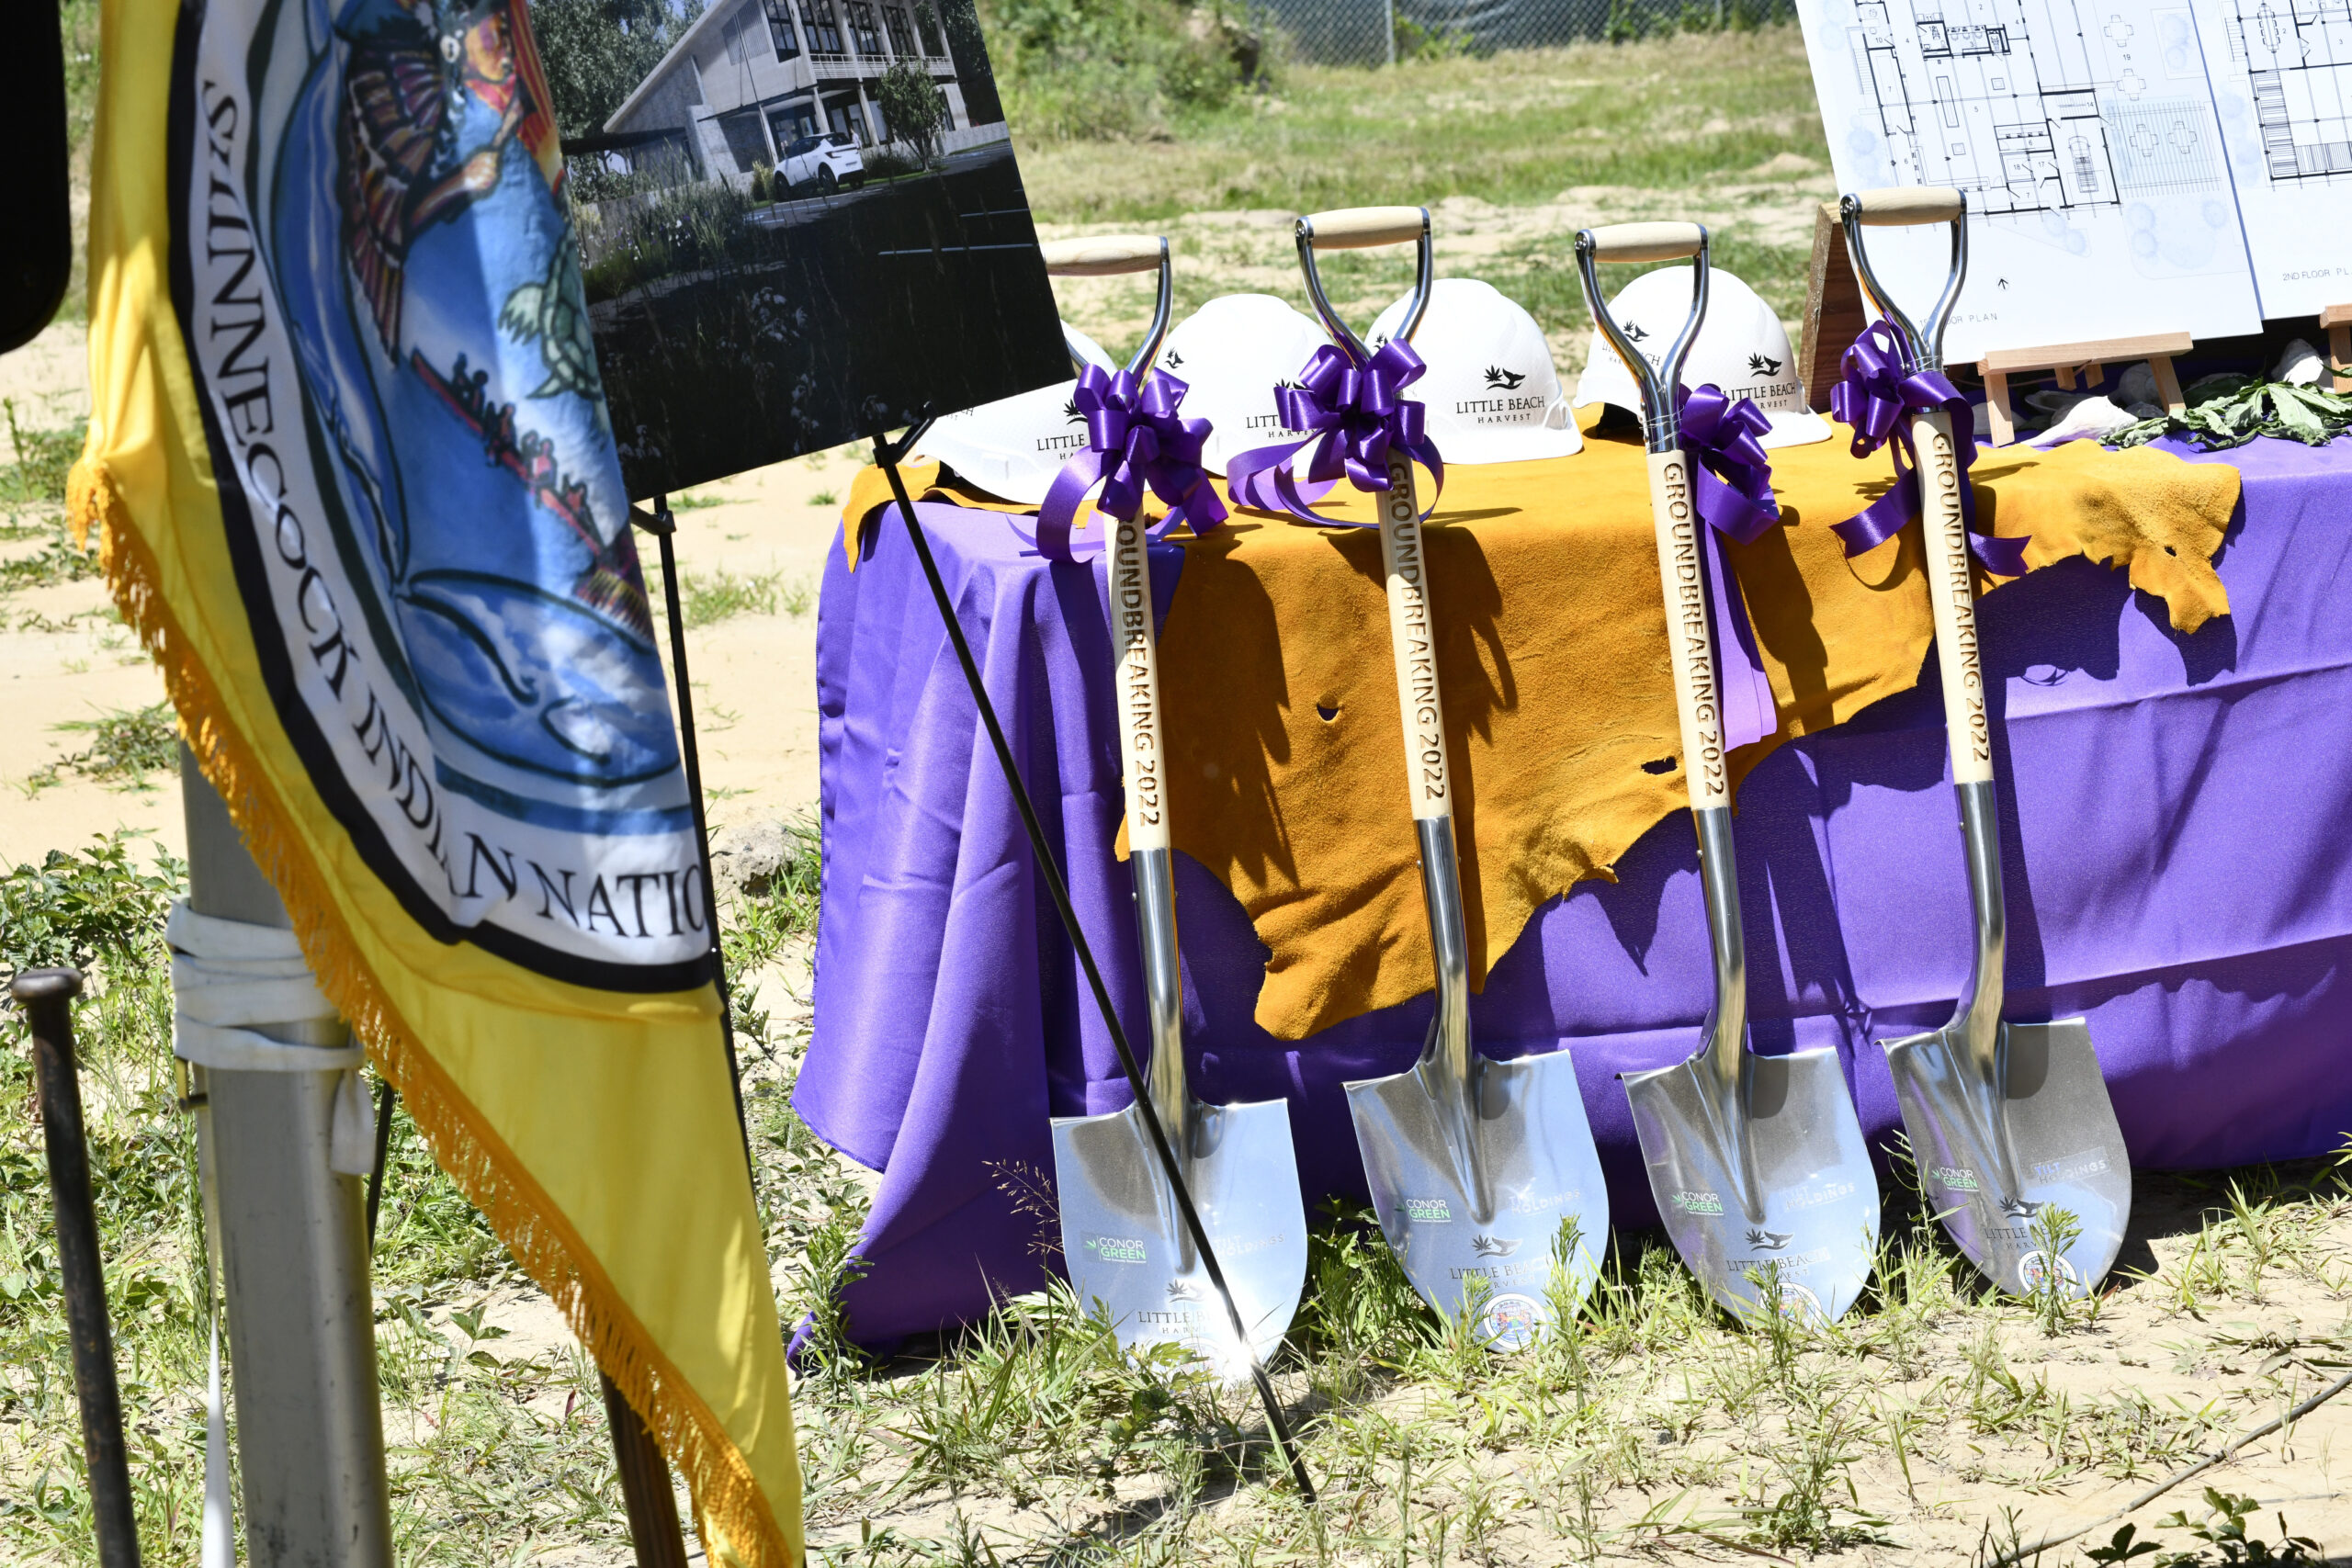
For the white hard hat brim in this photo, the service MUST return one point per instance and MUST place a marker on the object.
(1527, 443)
(1795, 427)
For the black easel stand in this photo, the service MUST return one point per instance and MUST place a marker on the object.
(887, 456)
(46, 997)
(663, 526)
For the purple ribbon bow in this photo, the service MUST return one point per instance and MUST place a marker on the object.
(1134, 440)
(1356, 419)
(1732, 482)
(1876, 399)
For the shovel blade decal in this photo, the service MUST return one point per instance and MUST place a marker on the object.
(1804, 1220)
(1535, 1145)
(2053, 1120)
(1123, 1239)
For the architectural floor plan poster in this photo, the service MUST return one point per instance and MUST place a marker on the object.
(2282, 84)
(2084, 133)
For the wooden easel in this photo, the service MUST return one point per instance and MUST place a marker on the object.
(2338, 320)
(2087, 360)
(1835, 316)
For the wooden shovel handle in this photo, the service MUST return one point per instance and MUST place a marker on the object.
(1646, 241)
(1356, 228)
(1102, 255)
(1689, 639)
(1899, 207)
(1412, 632)
(1142, 751)
(1952, 595)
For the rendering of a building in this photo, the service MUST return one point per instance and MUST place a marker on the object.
(750, 76)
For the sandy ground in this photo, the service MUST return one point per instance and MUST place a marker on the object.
(64, 656)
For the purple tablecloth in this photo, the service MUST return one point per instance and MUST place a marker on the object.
(2172, 823)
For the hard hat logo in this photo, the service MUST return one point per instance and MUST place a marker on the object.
(1014, 447)
(1492, 392)
(1236, 351)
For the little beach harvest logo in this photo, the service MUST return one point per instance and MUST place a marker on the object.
(378, 283)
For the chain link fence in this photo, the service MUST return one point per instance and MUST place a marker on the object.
(1377, 33)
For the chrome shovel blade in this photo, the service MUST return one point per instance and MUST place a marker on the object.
(2052, 1118)
(1809, 1219)
(1536, 1148)
(1123, 1239)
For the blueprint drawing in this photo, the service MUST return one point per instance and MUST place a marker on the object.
(2282, 88)
(2084, 134)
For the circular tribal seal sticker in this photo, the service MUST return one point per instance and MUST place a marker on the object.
(2033, 1272)
(1512, 1322)
(1802, 1304)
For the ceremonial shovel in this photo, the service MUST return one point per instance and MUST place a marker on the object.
(2007, 1120)
(1757, 1162)
(1122, 1236)
(1474, 1164)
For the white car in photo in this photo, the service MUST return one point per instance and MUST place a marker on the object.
(825, 161)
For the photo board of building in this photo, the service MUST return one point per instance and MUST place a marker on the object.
(801, 225)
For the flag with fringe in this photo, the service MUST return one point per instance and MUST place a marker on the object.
(355, 484)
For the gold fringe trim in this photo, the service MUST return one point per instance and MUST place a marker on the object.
(536, 1232)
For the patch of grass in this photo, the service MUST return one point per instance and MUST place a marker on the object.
(707, 598)
(689, 502)
(56, 561)
(125, 748)
(38, 460)
(1663, 114)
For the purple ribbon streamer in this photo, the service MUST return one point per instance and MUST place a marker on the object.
(1732, 483)
(1356, 419)
(1876, 398)
(1136, 440)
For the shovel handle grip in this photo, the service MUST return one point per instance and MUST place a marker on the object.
(1646, 241)
(1689, 637)
(1952, 595)
(1898, 207)
(1103, 256)
(1358, 228)
(1142, 751)
(1412, 633)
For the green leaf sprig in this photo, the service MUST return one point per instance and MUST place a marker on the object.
(2228, 410)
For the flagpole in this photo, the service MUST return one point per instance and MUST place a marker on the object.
(294, 1252)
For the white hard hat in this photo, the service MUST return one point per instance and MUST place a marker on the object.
(1231, 352)
(1742, 348)
(1491, 389)
(1014, 446)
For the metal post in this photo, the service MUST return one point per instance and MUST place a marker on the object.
(1389, 9)
(47, 998)
(293, 1244)
(645, 1487)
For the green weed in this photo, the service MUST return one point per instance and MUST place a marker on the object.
(125, 748)
(40, 460)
